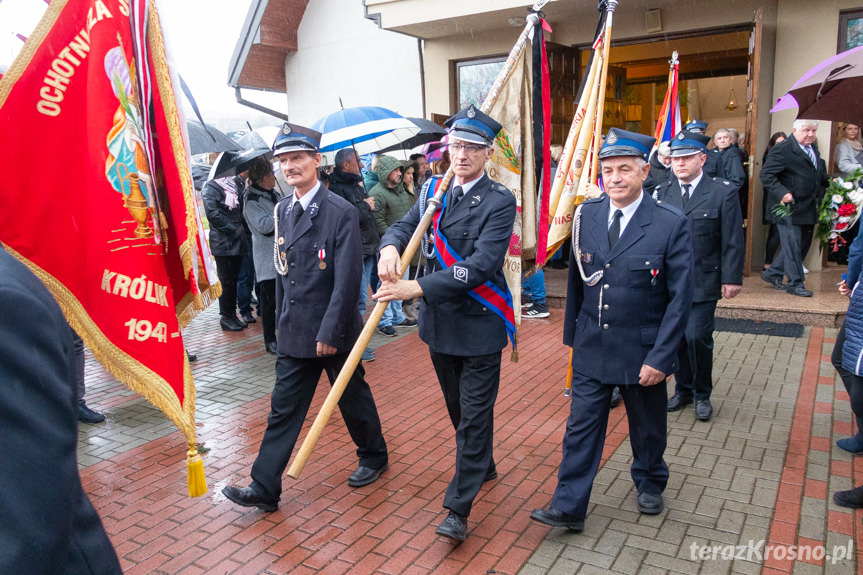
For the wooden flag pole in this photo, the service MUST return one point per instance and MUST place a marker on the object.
(434, 203)
(600, 108)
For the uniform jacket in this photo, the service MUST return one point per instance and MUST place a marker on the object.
(258, 212)
(227, 231)
(49, 524)
(788, 169)
(643, 316)
(478, 228)
(730, 166)
(717, 233)
(349, 186)
(314, 304)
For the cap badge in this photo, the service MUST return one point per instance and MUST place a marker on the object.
(681, 136)
(286, 129)
(611, 139)
(471, 112)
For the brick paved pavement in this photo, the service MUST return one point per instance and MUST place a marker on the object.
(749, 474)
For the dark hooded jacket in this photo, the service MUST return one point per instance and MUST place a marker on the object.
(349, 186)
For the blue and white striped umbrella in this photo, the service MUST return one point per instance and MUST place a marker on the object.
(366, 128)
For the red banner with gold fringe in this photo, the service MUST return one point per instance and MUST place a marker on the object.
(97, 196)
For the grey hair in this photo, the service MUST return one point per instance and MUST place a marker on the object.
(639, 161)
(803, 123)
(344, 155)
(722, 130)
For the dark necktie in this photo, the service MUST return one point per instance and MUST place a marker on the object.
(614, 229)
(686, 194)
(297, 213)
(457, 193)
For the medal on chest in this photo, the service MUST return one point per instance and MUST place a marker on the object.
(322, 253)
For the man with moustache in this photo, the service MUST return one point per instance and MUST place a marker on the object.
(465, 306)
(628, 299)
(713, 209)
(319, 266)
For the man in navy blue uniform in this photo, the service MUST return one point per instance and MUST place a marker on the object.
(465, 333)
(713, 209)
(628, 299)
(319, 263)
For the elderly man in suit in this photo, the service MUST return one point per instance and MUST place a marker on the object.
(628, 299)
(794, 175)
(714, 214)
(319, 265)
(50, 525)
(465, 307)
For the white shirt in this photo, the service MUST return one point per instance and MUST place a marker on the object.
(692, 185)
(307, 198)
(627, 212)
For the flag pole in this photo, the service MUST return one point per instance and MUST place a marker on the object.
(434, 203)
(600, 107)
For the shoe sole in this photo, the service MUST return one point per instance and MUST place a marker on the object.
(651, 510)
(450, 535)
(388, 334)
(574, 527)
(535, 316)
(371, 480)
(232, 328)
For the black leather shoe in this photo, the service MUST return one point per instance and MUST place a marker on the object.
(248, 497)
(231, 324)
(852, 498)
(364, 475)
(272, 348)
(192, 357)
(677, 402)
(454, 527)
(703, 410)
(248, 317)
(776, 282)
(87, 415)
(650, 503)
(557, 518)
(799, 291)
(615, 397)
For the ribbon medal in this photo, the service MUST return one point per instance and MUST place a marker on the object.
(653, 273)
(322, 253)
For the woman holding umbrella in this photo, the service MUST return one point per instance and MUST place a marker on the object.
(261, 199)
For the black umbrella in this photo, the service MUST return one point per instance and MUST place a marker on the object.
(429, 132)
(204, 139)
(232, 162)
(200, 173)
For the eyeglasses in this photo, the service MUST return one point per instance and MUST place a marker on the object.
(469, 148)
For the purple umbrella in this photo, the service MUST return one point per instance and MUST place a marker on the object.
(832, 90)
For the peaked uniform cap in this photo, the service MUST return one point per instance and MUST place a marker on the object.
(474, 126)
(687, 143)
(296, 138)
(622, 143)
(696, 126)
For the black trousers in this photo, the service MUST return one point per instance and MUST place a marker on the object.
(695, 354)
(267, 308)
(853, 383)
(296, 380)
(470, 385)
(228, 268)
(789, 262)
(585, 437)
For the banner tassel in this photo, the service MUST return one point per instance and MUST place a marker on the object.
(195, 469)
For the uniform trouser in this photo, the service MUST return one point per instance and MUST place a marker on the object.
(469, 386)
(78, 351)
(585, 437)
(853, 383)
(228, 268)
(789, 262)
(296, 380)
(695, 354)
(267, 308)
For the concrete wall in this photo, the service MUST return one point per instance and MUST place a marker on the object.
(342, 54)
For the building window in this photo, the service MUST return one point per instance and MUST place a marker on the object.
(475, 78)
(850, 29)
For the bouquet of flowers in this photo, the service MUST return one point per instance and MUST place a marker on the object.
(840, 209)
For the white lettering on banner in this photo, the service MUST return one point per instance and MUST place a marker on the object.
(134, 288)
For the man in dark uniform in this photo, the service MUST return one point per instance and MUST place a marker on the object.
(50, 525)
(320, 268)
(465, 334)
(711, 161)
(714, 214)
(628, 299)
